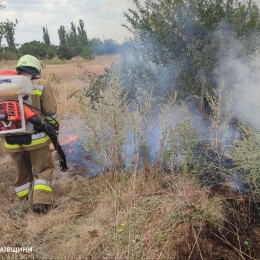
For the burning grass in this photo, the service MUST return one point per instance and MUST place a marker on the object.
(149, 212)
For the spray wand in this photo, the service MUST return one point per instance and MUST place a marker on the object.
(52, 132)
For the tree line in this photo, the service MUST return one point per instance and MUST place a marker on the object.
(184, 37)
(72, 42)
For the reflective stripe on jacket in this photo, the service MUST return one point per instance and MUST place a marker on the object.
(43, 100)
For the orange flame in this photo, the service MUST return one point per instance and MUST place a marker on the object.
(70, 139)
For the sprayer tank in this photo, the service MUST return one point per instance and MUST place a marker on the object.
(12, 86)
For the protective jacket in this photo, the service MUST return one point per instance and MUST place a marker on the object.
(44, 102)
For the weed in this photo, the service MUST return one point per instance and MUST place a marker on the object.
(245, 155)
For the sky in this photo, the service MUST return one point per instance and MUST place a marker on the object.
(102, 18)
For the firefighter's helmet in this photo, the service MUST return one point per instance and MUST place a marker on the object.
(29, 64)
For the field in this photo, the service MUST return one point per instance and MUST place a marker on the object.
(143, 215)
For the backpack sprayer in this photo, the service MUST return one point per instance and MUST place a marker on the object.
(17, 116)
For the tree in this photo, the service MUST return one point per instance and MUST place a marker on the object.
(35, 48)
(62, 35)
(7, 31)
(10, 32)
(108, 46)
(1, 25)
(46, 37)
(81, 30)
(2, 32)
(51, 51)
(73, 32)
(188, 35)
(75, 42)
(82, 35)
(65, 52)
(97, 46)
(85, 44)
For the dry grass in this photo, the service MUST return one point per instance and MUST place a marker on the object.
(59, 234)
(112, 216)
(156, 216)
(67, 78)
(61, 224)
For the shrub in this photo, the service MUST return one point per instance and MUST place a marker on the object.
(189, 37)
(245, 153)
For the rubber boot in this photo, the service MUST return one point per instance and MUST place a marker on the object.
(39, 208)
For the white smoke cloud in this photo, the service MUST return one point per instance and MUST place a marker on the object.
(240, 74)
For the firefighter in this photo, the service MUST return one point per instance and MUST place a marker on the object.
(33, 158)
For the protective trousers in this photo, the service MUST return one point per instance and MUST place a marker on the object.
(34, 170)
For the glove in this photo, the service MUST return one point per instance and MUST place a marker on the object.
(48, 129)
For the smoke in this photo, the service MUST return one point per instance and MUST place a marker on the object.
(73, 139)
(238, 74)
(142, 75)
(139, 73)
(238, 90)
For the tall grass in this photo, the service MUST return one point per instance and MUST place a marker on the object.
(118, 117)
(108, 124)
(245, 152)
(220, 103)
(146, 207)
(180, 138)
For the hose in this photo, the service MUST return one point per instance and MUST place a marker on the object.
(51, 132)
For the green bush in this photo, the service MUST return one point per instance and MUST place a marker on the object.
(87, 52)
(51, 52)
(35, 48)
(65, 52)
(7, 55)
(245, 153)
(189, 37)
